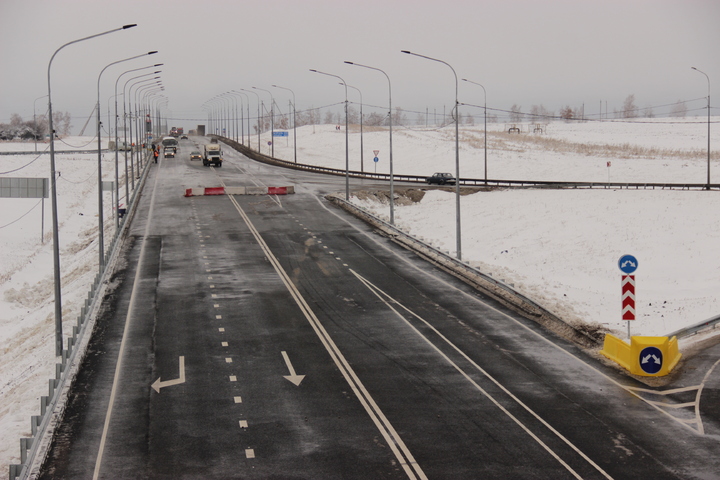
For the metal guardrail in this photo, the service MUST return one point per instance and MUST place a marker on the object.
(466, 182)
(708, 324)
(29, 447)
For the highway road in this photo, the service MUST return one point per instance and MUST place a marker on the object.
(257, 337)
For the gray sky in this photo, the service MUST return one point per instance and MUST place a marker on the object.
(525, 52)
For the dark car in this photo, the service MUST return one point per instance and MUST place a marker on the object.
(195, 155)
(441, 179)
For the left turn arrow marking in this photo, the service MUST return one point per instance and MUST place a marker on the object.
(168, 383)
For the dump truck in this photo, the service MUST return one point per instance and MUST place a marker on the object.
(212, 155)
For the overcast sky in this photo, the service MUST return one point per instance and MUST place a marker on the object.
(525, 52)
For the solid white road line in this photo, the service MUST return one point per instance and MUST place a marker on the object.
(392, 438)
(510, 318)
(128, 321)
(390, 302)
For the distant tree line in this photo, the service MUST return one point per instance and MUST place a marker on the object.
(18, 129)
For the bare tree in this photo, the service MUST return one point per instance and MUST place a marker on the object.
(567, 113)
(399, 117)
(375, 119)
(329, 117)
(630, 110)
(539, 112)
(679, 110)
(515, 114)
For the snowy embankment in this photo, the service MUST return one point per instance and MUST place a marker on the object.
(27, 312)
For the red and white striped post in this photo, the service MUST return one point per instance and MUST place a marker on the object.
(628, 264)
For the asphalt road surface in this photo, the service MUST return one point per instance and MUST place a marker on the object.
(258, 337)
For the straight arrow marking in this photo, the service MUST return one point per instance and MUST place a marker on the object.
(294, 378)
(168, 383)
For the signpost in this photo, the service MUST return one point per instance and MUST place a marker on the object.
(628, 264)
(376, 160)
(21, 187)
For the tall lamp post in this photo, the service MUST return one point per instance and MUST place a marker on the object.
(708, 109)
(392, 181)
(485, 114)
(347, 149)
(294, 124)
(272, 121)
(362, 161)
(99, 134)
(247, 98)
(257, 122)
(457, 154)
(56, 240)
(117, 159)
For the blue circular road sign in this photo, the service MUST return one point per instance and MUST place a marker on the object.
(375, 160)
(628, 264)
(651, 360)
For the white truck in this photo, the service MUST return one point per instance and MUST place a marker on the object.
(212, 155)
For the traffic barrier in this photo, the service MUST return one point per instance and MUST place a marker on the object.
(644, 356)
(195, 192)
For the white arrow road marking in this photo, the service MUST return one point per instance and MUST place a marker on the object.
(168, 383)
(293, 377)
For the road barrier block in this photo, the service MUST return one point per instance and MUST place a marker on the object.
(195, 192)
(644, 356)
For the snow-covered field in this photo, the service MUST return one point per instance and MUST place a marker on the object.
(559, 247)
(27, 316)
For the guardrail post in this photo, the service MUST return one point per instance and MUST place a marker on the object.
(25, 445)
(35, 421)
(15, 471)
(43, 405)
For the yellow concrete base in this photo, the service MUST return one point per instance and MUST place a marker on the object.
(646, 356)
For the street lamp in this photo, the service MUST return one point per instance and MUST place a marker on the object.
(708, 109)
(457, 154)
(127, 99)
(347, 150)
(485, 128)
(362, 161)
(294, 124)
(272, 121)
(242, 118)
(56, 238)
(392, 182)
(258, 117)
(117, 160)
(247, 98)
(101, 243)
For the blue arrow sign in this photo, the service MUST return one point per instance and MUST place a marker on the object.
(280, 134)
(375, 160)
(628, 264)
(651, 359)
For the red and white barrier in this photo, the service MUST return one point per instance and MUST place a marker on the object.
(195, 192)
